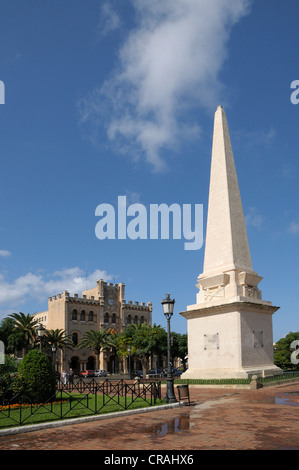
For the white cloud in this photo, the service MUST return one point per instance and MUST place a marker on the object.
(294, 227)
(167, 66)
(5, 253)
(38, 287)
(109, 20)
(253, 219)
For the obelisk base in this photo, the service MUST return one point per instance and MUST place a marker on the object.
(262, 371)
(230, 340)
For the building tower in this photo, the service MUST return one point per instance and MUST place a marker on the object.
(230, 326)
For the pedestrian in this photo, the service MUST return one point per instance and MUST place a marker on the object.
(64, 377)
(71, 376)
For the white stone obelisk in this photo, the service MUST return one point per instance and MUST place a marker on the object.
(230, 326)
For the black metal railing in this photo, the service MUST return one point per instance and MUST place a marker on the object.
(81, 398)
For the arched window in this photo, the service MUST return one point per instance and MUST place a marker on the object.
(82, 315)
(106, 318)
(135, 319)
(74, 315)
(90, 316)
(129, 320)
(75, 338)
(113, 318)
(141, 320)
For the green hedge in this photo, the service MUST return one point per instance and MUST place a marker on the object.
(275, 378)
(212, 381)
(235, 381)
(36, 382)
(7, 375)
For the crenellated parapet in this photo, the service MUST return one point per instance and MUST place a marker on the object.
(66, 297)
(137, 306)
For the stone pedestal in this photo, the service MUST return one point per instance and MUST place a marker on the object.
(231, 340)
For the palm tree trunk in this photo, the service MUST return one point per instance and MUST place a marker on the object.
(98, 360)
(144, 363)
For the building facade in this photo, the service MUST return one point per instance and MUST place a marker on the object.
(102, 307)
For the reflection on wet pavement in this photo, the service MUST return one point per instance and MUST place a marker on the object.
(291, 398)
(173, 426)
(183, 423)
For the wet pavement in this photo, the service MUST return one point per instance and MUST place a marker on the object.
(218, 419)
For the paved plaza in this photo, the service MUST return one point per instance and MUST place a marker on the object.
(218, 419)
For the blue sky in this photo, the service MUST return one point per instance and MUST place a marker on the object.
(114, 98)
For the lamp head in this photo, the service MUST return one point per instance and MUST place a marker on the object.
(40, 331)
(168, 305)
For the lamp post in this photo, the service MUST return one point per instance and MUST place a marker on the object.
(40, 334)
(167, 305)
(130, 372)
(54, 349)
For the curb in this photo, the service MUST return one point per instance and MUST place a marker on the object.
(84, 419)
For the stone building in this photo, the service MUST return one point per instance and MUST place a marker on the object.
(102, 307)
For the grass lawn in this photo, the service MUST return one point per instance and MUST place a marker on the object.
(69, 406)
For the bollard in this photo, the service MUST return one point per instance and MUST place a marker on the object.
(254, 384)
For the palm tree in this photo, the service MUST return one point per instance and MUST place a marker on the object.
(98, 341)
(9, 336)
(57, 338)
(25, 326)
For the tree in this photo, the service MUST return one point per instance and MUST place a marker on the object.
(283, 351)
(98, 341)
(36, 381)
(57, 338)
(121, 344)
(179, 347)
(7, 375)
(145, 340)
(10, 337)
(25, 326)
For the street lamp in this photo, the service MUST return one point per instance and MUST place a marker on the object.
(40, 334)
(130, 372)
(167, 305)
(54, 349)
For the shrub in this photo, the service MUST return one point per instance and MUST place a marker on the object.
(36, 381)
(7, 375)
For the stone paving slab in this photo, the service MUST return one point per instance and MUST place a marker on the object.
(218, 419)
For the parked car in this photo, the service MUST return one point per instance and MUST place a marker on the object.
(176, 372)
(138, 373)
(154, 373)
(100, 373)
(87, 373)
